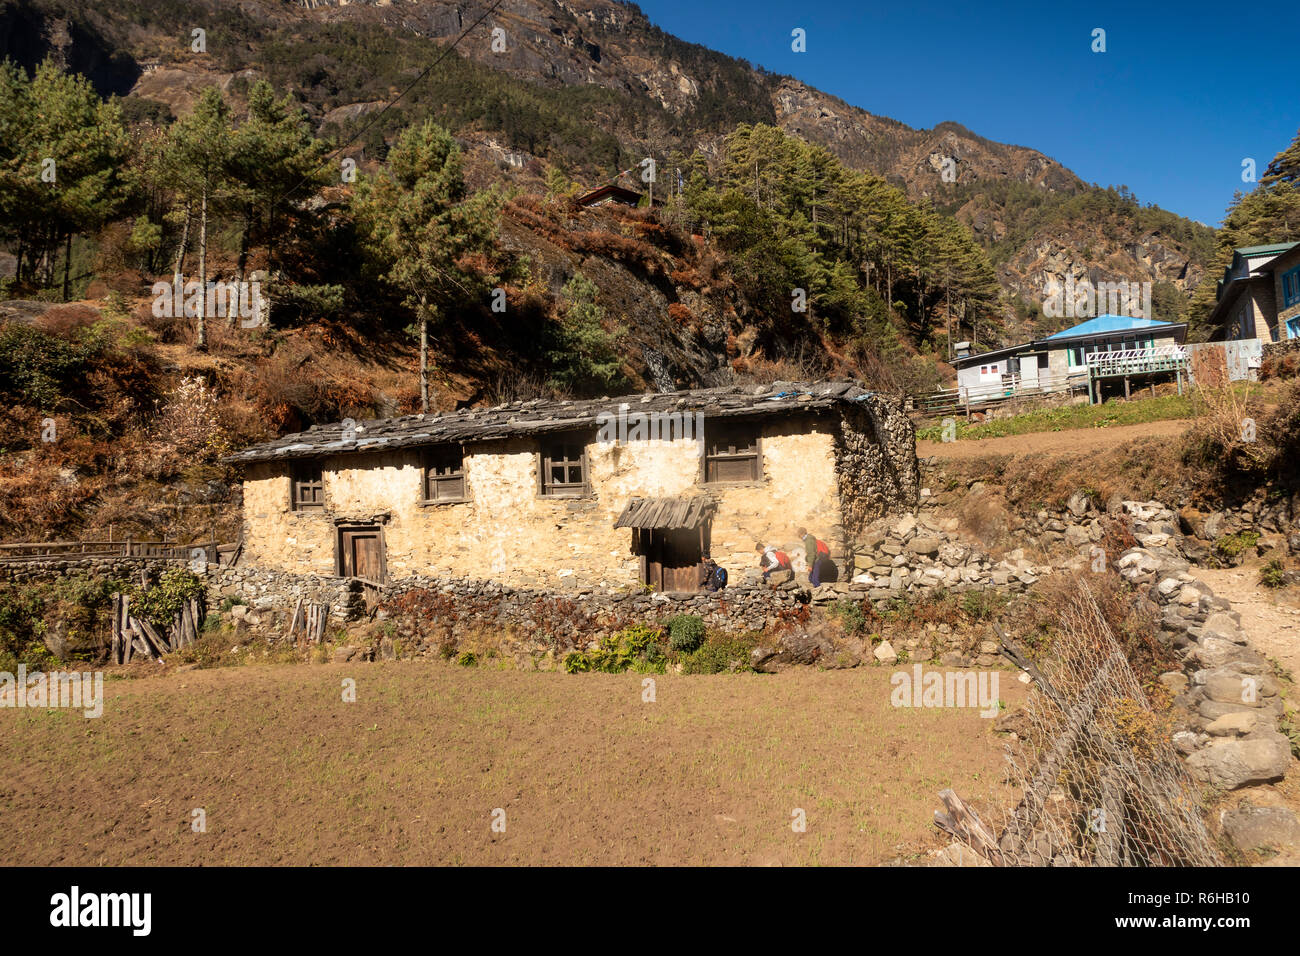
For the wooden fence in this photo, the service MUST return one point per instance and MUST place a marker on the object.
(35, 550)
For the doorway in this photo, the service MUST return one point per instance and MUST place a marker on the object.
(672, 558)
(362, 553)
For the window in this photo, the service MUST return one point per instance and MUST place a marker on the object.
(444, 473)
(731, 452)
(564, 466)
(1293, 328)
(308, 489)
(1291, 287)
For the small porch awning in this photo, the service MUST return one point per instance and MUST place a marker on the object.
(666, 513)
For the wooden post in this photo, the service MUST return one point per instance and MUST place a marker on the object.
(115, 646)
(128, 645)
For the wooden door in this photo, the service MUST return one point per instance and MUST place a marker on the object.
(672, 560)
(361, 551)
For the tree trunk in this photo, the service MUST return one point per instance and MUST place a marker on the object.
(178, 275)
(424, 354)
(201, 342)
(242, 267)
(67, 265)
(947, 314)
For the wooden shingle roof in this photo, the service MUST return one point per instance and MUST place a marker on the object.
(688, 513)
(539, 417)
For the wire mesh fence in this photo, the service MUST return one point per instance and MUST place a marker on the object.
(1102, 783)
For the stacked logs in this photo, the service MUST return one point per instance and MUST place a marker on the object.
(134, 637)
(310, 619)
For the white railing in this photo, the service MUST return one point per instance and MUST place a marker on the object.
(1158, 358)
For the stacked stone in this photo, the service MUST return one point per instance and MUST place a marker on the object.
(912, 553)
(277, 592)
(33, 570)
(1226, 694)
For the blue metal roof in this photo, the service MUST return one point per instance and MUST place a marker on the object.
(1103, 324)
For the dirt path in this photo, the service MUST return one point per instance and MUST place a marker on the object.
(1270, 619)
(1071, 441)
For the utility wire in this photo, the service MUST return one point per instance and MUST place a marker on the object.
(378, 116)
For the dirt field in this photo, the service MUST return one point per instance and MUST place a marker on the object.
(412, 771)
(1070, 441)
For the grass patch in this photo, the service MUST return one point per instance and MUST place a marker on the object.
(1069, 417)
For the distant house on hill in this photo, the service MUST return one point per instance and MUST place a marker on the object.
(1259, 295)
(1103, 347)
(609, 193)
(630, 491)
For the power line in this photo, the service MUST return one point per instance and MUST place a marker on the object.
(378, 116)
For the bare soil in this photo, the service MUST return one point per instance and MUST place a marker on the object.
(586, 772)
(1271, 619)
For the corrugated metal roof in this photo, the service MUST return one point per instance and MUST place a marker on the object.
(1110, 323)
(680, 513)
(1277, 247)
(542, 417)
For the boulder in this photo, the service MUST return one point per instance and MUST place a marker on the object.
(885, 653)
(1232, 725)
(923, 544)
(1079, 503)
(1229, 764)
(1260, 828)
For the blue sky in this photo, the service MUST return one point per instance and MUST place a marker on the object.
(1183, 93)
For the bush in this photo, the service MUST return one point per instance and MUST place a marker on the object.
(851, 615)
(1272, 575)
(158, 603)
(685, 632)
(1232, 546)
(722, 652)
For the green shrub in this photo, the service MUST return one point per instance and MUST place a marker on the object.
(979, 605)
(159, 602)
(576, 662)
(628, 649)
(685, 632)
(1272, 575)
(466, 659)
(1232, 545)
(722, 652)
(851, 615)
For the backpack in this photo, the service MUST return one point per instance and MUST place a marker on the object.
(823, 550)
(782, 560)
(720, 577)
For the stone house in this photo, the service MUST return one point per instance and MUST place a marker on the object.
(579, 494)
(1259, 295)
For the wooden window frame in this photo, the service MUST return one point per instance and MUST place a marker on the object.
(546, 488)
(752, 453)
(435, 482)
(306, 495)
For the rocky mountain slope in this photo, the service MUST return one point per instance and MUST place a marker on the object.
(624, 89)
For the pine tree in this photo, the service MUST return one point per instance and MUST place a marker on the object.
(422, 225)
(196, 164)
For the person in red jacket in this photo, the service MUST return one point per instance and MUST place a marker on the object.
(818, 554)
(772, 561)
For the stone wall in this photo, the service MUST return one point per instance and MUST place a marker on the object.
(876, 466)
(1285, 347)
(32, 571)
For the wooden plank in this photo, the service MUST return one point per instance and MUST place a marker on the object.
(293, 621)
(156, 643)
